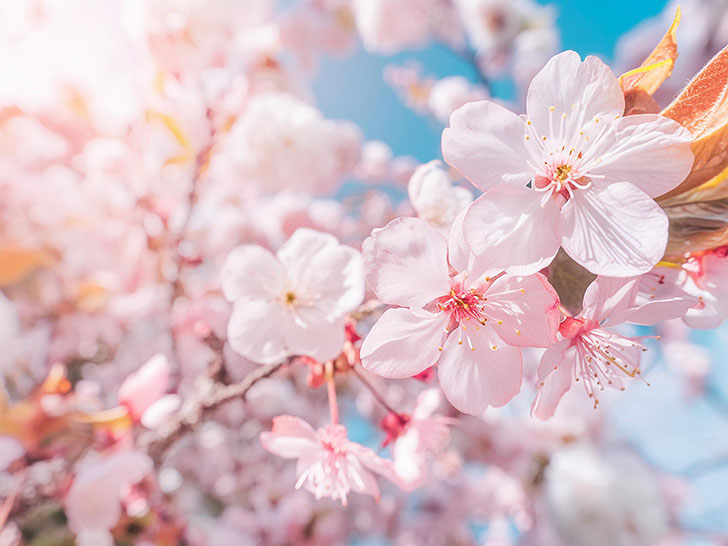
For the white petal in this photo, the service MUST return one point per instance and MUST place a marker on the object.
(251, 271)
(406, 263)
(615, 230)
(255, 330)
(581, 90)
(485, 142)
(403, 342)
(650, 151)
(473, 380)
(514, 229)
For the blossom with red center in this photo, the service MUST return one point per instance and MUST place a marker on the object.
(455, 311)
(706, 278)
(592, 354)
(593, 173)
(329, 465)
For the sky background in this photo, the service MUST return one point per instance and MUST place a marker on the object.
(675, 434)
(353, 88)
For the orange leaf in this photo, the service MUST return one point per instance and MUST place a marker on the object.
(641, 83)
(17, 262)
(702, 108)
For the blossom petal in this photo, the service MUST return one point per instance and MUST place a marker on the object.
(615, 230)
(406, 262)
(647, 150)
(555, 372)
(291, 437)
(255, 330)
(485, 142)
(251, 271)
(523, 310)
(475, 378)
(515, 228)
(403, 342)
(581, 90)
(609, 296)
(311, 331)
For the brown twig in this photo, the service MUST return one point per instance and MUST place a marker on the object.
(197, 408)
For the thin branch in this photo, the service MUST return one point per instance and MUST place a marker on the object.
(196, 409)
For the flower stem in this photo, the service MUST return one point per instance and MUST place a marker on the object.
(377, 396)
(331, 387)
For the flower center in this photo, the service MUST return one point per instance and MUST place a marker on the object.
(464, 305)
(290, 298)
(563, 172)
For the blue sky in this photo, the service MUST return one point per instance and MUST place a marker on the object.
(353, 88)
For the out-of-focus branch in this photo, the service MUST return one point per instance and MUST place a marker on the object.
(211, 395)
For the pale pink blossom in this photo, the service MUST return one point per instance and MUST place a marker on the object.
(455, 311)
(93, 503)
(329, 465)
(387, 26)
(592, 173)
(293, 302)
(424, 435)
(434, 197)
(449, 94)
(10, 451)
(707, 280)
(145, 386)
(588, 351)
(280, 142)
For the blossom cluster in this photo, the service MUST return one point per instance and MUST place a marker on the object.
(204, 277)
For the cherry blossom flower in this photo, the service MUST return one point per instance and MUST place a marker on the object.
(604, 499)
(707, 280)
(145, 386)
(593, 173)
(434, 197)
(386, 26)
(421, 436)
(93, 504)
(449, 94)
(293, 302)
(471, 322)
(588, 352)
(329, 465)
(280, 142)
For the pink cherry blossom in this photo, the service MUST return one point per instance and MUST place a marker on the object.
(471, 320)
(434, 197)
(93, 504)
(449, 94)
(588, 351)
(293, 302)
(329, 465)
(145, 386)
(707, 280)
(423, 436)
(593, 173)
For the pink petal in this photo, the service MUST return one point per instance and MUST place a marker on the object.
(713, 293)
(403, 342)
(473, 380)
(406, 263)
(615, 230)
(251, 271)
(555, 372)
(514, 229)
(607, 297)
(143, 387)
(310, 331)
(334, 272)
(361, 480)
(485, 142)
(647, 150)
(581, 90)
(462, 259)
(291, 437)
(255, 330)
(523, 310)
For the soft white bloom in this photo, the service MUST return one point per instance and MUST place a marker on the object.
(604, 500)
(293, 302)
(434, 197)
(449, 94)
